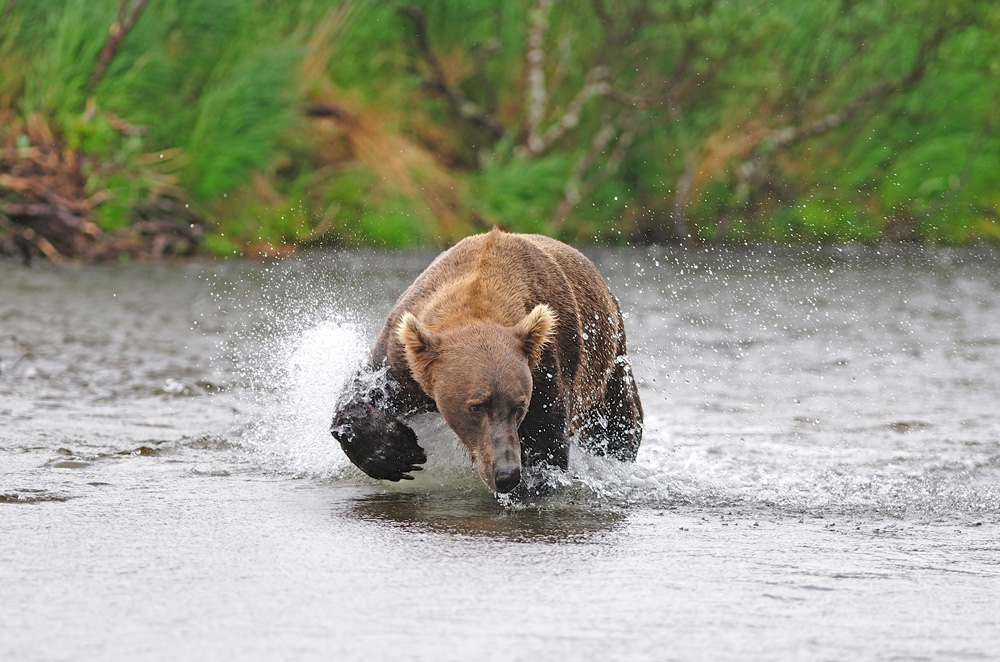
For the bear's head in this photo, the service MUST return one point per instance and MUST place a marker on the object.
(479, 375)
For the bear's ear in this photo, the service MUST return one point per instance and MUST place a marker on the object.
(535, 331)
(419, 344)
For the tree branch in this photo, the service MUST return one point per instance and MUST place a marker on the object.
(595, 86)
(578, 186)
(790, 134)
(119, 29)
(41, 210)
(460, 103)
(755, 166)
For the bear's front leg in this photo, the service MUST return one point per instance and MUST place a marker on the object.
(375, 441)
(544, 434)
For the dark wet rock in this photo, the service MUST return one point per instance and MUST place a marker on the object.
(902, 427)
(31, 496)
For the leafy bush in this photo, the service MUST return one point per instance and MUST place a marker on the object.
(352, 121)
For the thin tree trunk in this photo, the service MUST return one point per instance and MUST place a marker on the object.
(537, 98)
(678, 211)
(119, 30)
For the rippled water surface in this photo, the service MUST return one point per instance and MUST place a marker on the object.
(819, 479)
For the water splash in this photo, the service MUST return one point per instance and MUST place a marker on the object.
(297, 376)
(301, 373)
(745, 410)
(288, 424)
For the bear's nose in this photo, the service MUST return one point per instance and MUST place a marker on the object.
(507, 479)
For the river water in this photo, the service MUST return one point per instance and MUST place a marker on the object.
(819, 478)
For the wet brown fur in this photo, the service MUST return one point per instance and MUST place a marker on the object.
(477, 281)
(519, 320)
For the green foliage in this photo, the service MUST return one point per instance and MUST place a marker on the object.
(242, 111)
(218, 87)
(221, 246)
(64, 39)
(822, 219)
(516, 193)
(391, 222)
(202, 75)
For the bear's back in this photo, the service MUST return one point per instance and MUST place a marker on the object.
(502, 276)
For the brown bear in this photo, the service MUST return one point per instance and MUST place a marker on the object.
(516, 340)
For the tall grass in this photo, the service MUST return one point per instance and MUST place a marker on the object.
(217, 88)
(62, 41)
(216, 78)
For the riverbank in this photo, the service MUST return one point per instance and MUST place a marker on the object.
(138, 130)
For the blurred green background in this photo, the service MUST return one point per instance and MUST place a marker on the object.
(368, 122)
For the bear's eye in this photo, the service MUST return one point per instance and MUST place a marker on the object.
(476, 407)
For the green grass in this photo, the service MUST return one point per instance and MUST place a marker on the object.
(217, 86)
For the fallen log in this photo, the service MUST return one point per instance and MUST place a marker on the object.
(46, 212)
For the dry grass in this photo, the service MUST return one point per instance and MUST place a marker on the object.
(357, 134)
(724, 149)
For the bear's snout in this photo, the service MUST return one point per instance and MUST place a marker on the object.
(507, 479)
